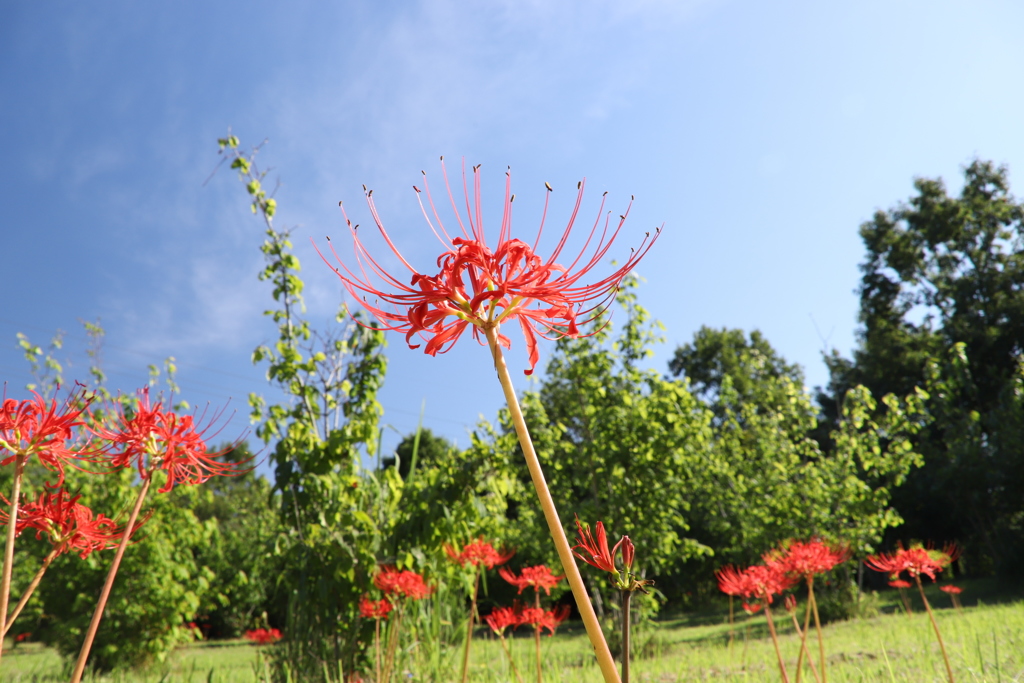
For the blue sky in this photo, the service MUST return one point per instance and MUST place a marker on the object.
(760, 134)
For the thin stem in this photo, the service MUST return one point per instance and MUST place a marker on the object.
(28, 592)
(817, 626)
(536, 634)
(906, 602)
(389, 658)
(803, 647)
(935, 625)
(376, 648)
(572, 572)
(12, 527)
(97, 614)
(508, 653)
(730, 622)
(472, 616)
(626, 595)
(775, 641)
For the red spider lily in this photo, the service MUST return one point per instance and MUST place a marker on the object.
(483, 287)
(30, 427)
(951, 589)
(758, 581)
(539, 577)
(916, 561)
(263, 636)
(375, 609)
(479, 553)
(501, 618)
(596, 551)
(549, 619)
(807, 559)
(405, 583)
(68, 524)
(153, 438)
(900, 583)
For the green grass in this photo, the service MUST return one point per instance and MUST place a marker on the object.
(985, 643)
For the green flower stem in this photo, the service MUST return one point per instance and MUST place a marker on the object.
(572, 572)
(935, 625)
(101, 604)
(817, 625)
(28, 591)
(472, 616)
(803, 645)
(12, 526)
(536, 634)
(775, 641)
(626, 596)
(508, 653)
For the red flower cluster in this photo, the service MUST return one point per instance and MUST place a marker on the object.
(30, 427)
(951, 589)
(263, 636)
(480, 287)
(915, 561)
(153, 438)
(375, 609)
(899, 583)
(501, 618)
(802, 560)
(539, 577)
(68, 524)
(405, 583)
(479, 553)
(758, 582)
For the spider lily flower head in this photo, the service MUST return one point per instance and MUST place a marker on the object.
(950, 589)
(31, 427)
(790, 603)
(501, 618)
(68, 524)
(540, 618)
(595, 549)
(539, 577)
(760, 581)
(404, 583)
(263, 636)
(478, 553)
(899, 583)
(480, 286)
(804, 560)
(375, 609)
(915, 561)
(153, 438)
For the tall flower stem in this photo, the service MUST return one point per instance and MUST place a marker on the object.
(508, 653)
(12, 527)
(572, 572)
(536, 635)
(817, 625)
(935, 625)
(28, 592)
(626, 596)
(775, 641)
(803, 645)
(393, 632)
(97, 614)
(376, 647)
(469, 627)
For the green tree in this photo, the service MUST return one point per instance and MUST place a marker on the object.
(942, 304)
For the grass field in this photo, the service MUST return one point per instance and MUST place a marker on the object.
(985, 643)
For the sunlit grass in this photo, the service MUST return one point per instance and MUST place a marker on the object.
(985, 642)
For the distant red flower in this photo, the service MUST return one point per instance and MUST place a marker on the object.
(539, 577)
(760, 582)
(479, 553)
(549, 619)
(900, 583)
(153, 438)
(263, 636)
(790, 603)
(22, 637)
(951, 589)
(481, 288)
(31, 427)
(375, 609)
(807, 559)
(915, 561)
(405, 583)
(501, 618)
(68, 524)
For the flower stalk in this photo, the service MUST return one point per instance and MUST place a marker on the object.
(935, 626)
(28, 592)
(565, 556)
(5, 581)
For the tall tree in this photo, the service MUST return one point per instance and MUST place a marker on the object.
(942, 305)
